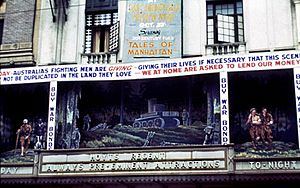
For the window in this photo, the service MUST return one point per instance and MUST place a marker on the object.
(225, 22)
(99, 30)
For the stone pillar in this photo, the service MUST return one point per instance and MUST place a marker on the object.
(297, 12)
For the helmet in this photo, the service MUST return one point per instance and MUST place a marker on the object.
(25, 121)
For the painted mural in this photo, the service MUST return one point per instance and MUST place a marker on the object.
(157, 112)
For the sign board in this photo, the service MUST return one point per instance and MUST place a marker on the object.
(152, 69)
(189, 161)
(268, 165)
(16, 170)
(153, 30)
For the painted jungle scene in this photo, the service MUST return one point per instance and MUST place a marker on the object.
(139, 113)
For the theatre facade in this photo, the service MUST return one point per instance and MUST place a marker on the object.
(144, 94)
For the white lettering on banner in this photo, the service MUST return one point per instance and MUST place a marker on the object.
(152, 69)
(224, 108)
(268, 166)
(297, 95)
(16, 170)
(134, 166)
(9, 170)
(51, 115)
(133, 162)
(273, 165)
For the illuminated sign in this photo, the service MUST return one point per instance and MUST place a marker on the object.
(118, 163)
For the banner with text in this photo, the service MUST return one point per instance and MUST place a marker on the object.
(152, 69)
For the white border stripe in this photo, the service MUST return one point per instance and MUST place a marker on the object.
(297, 98)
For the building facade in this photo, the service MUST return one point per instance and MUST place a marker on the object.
(150, 93)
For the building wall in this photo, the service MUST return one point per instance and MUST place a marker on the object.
(194, 27)
(268, 25)
(18, 21)
(73, 36)
(47, 36)
(122, 15)
(61, 41)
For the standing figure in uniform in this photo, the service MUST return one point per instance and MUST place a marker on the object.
(40, 132)
(266, 131)
(86, 122)
(185, 117)
(24, 132)
(255, 125)
(209, 135)
(75, 138)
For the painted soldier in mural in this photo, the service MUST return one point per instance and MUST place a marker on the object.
(86, 122)
(185, 117)
(209, 135)
(266, 131)
(255, 126)
(24, 133)
(39, 131)
(75, 138)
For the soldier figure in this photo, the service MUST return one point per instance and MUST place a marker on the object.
(266, 131)
(40, 131)
(209, 135)
(86, 122)
(75, 138)
(185, 117)
(255, 126)
(24, 132)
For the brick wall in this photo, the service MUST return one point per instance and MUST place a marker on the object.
(18, 21)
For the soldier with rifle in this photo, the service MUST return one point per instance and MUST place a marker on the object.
(24, 133)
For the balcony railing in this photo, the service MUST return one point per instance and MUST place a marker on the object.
(225, 48)
(99, 58)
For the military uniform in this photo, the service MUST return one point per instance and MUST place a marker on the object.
(24, 134)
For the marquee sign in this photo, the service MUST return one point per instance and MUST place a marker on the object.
(135, 162)
(267, 165)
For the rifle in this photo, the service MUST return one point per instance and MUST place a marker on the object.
(17, 139)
